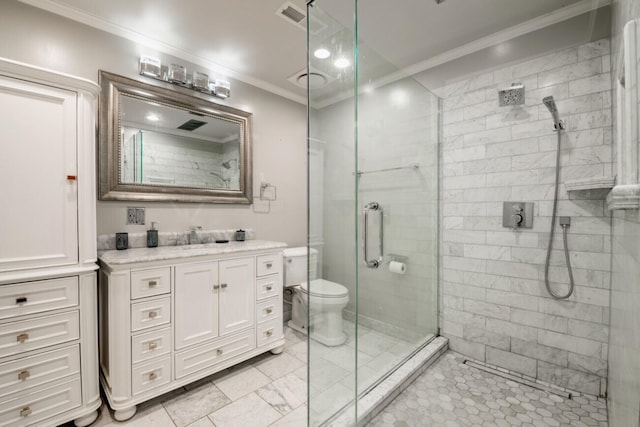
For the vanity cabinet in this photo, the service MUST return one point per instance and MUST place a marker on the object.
(168, 319)
(48, 286)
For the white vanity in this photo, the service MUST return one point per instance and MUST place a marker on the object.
(174, 314)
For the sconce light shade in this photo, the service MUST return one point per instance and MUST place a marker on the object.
(149, 66)
(200, 81)
(221, 88)
(177, 74)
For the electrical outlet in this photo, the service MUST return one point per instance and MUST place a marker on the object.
(135, 216)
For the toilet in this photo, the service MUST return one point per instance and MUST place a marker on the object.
(326, 299)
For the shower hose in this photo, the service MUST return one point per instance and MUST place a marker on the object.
(552, 232)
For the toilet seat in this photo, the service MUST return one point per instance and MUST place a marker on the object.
(324, 289)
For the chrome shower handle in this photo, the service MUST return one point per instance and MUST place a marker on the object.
(371, 206)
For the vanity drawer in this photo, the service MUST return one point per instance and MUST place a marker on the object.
(152, 313)
(38, 405)
(268, 309)
(149, 345)
(206, 356)
(268, 264)
(269, 331)
(149, 375)
(147, 283)
(37, 297)
(31, 334)
(28, 372)
(268, 287)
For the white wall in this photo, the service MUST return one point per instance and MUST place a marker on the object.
(624, 340)
(279, 125)
(494, 304)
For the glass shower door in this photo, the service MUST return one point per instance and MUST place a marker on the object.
(373, 218)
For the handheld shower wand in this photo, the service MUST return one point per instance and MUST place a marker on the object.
(565, 221)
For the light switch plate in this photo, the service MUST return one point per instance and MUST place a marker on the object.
(135, 216)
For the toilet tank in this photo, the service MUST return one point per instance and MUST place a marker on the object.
(295, 265)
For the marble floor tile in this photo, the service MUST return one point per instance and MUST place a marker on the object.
(202, 422)
(240, 382)
(195, 404)
(278, 365)
(285, 394)
(248, 411)
(299, 351)
(156, 416)
(296, 418)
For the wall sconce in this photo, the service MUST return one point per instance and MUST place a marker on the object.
(177, 74)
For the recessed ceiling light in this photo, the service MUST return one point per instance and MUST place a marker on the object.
(322, 53)
(342, 63)
(152, 117)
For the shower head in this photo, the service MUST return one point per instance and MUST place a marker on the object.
(553, 109)
(513, 95)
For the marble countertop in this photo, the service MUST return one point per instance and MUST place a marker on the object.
(130, 256)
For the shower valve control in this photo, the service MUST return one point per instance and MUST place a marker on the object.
(517, 215)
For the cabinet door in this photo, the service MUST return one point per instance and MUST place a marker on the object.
(195, 303)
(237, 295)
(39, 215)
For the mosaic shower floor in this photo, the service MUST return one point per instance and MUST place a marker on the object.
(450, 393)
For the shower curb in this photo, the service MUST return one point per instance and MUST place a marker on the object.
(384, 393)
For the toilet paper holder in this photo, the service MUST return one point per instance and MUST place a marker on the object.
(395, 257)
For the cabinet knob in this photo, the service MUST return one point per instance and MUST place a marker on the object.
(269, 287)
(153, 345)
(22, 338)
(269, 332)
(269, 310)
(21, 300)
(152, 376)
(216, 286)
(25, 412)
(269, 264)
(223, 285)
(23, 375)
(219, 351)
(152, 283)
(152, 315)
(71, 177)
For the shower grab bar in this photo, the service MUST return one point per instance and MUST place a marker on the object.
(413, 166)
(372, 206)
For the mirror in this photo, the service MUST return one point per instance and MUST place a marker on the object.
(161, 142)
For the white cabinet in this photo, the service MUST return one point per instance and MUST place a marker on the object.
(168, 322)
(48, 287)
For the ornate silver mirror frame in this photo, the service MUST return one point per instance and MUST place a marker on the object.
(165, 95)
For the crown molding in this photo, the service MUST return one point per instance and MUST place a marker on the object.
(109, 27)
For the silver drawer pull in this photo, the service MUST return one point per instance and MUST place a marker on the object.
(223, 285)
(153, 345)
(269, 287)
(25, 412)
(152, 376)
(269, 265)
(23, 375)
(22, 338)
(21, 300)
(269, 310)
(152, 283)
(219, 351)
(153, 315)
(269, 333)
(216, 287)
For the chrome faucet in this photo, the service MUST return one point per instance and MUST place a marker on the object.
(193, 236)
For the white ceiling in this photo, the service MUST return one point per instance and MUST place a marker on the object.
(249, 42)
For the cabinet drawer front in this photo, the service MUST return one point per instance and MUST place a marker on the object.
(268, 287)
(29, 372)
(208, 355)
(39, 296)
(268, 264)
(42, 403)
(268, 309)
(149, 375)
(31, 334)
(149, 345)
(152, 313)
(147, 283)
(269, 331)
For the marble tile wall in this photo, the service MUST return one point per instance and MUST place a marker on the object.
(624, 337)
(494, 304)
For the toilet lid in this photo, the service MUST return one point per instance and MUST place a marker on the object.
(324, 288)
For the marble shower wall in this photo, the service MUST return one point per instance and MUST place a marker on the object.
(494, 304)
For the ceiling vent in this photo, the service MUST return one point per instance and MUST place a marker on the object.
(191, 125)
(296, 16)
(316, 79)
